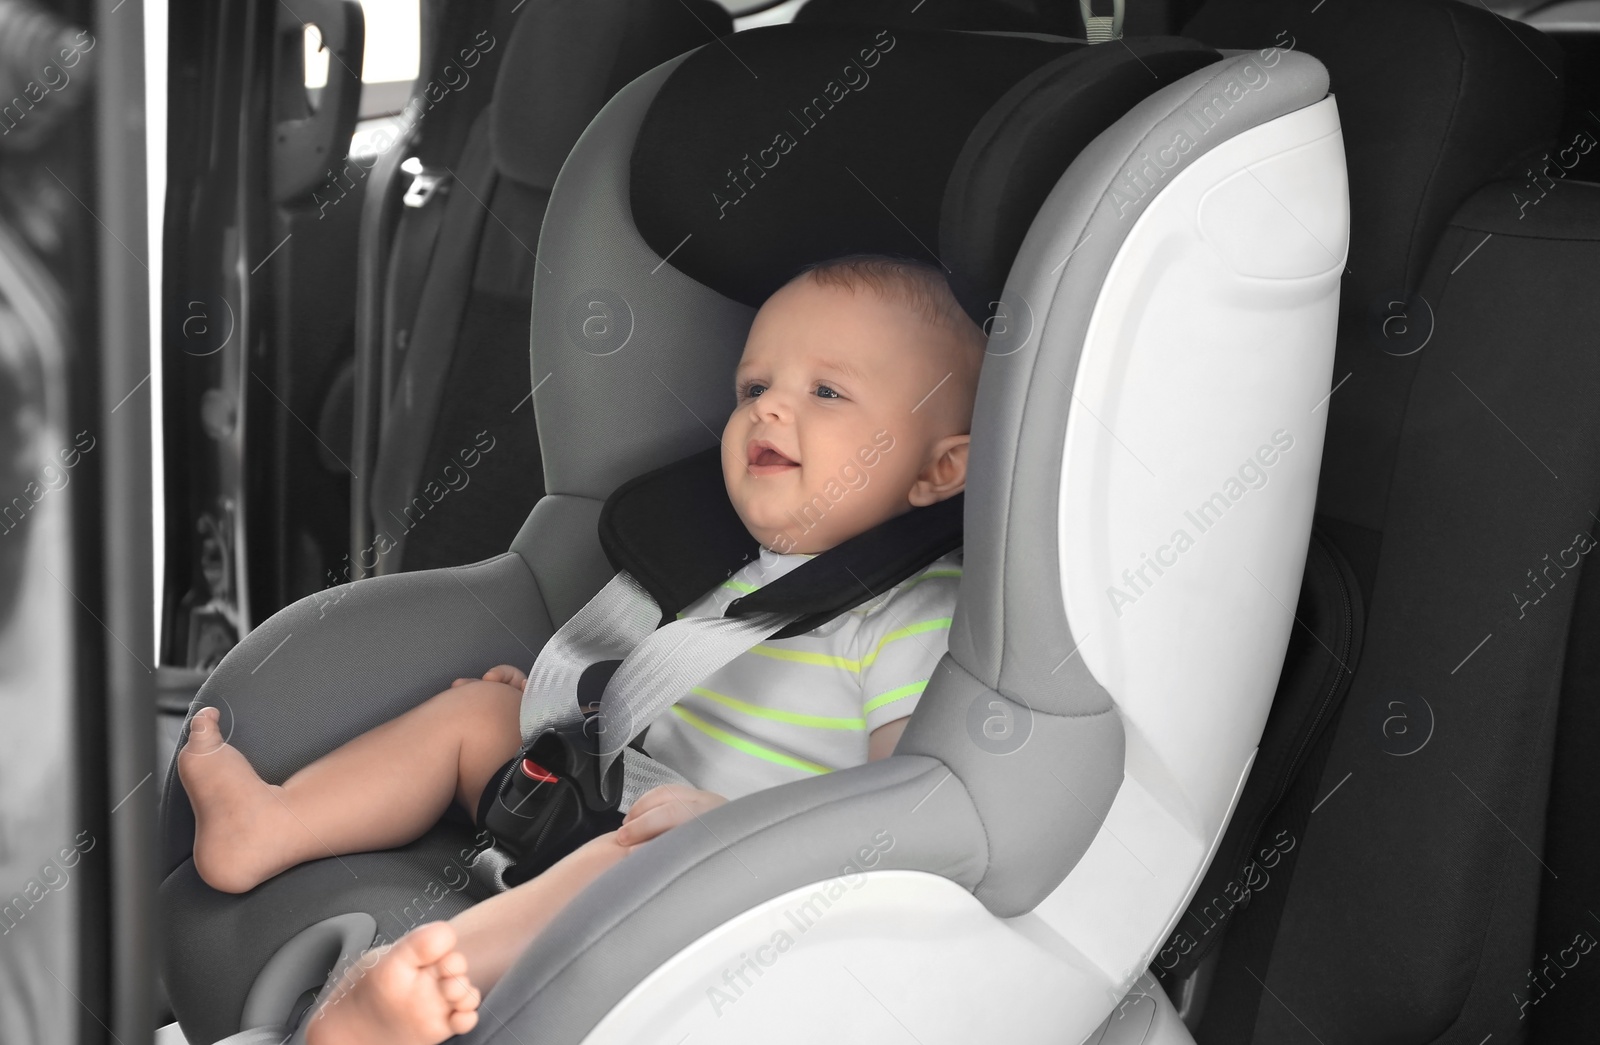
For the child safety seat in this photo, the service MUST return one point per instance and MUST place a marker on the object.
(1152, 233)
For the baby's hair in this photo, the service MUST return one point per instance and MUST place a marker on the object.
(906, 281)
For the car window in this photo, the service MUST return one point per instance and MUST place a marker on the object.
(390, 57)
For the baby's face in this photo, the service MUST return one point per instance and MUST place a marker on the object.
(844, 401)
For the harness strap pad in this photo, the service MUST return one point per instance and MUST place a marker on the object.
(675, 530)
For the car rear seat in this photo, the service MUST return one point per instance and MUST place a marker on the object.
(457, 462)
(1419, 882)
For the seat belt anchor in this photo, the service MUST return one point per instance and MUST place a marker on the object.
(424, 184)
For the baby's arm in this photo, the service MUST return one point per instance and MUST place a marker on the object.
(881, 742)
(899, 646)
(662, 808)
(511, 676)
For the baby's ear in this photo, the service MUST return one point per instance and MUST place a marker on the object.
(945, 473)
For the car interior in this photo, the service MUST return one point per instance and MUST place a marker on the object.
(443, 343)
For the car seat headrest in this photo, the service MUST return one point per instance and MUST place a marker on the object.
(1041, 16)
(548, 90)
(770, 177)
(793, 184)
(1017, 151)
(677, 533)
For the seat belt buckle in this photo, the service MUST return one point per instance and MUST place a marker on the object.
(424, 184)
(550, 803)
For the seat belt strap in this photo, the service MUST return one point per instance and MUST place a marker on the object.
(418, 376)
(661, 669)
(658, 666)
(640, 773)
(662, 659)
(416, 234)
(608, 627)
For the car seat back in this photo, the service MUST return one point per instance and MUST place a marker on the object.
(1401, 903)
(457, 463)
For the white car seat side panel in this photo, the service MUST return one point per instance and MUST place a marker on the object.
(867, 957)
(1194, 445)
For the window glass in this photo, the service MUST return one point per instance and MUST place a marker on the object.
(394, 40)
(393, 46)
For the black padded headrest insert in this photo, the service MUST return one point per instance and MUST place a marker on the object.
(1038, 16)
(1018, 151)
(815, 142)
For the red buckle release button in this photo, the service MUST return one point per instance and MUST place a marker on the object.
(534, 771)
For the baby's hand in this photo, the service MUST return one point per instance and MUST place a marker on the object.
(499, 673)
(662, 808)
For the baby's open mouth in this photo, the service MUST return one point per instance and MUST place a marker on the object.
(765, 459)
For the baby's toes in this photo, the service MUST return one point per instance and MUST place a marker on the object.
(204, 734)
(461, 1022)
(452, 964)
(454, 989)
(429, 944)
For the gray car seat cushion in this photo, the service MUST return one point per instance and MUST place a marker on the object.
(560, 542)
(355, 656)
(597, 432)
(217, 944)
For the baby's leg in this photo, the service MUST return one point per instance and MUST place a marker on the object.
(494, 933)
(399, 998)
(382, 789)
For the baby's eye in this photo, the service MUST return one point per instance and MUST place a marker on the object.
(824, 392)
(750, 390)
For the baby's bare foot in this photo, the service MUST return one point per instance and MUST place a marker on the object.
(415, 993)
(239, 822)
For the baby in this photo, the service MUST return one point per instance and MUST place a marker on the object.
(854, 403)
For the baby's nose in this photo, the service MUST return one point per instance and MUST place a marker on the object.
(771, 403)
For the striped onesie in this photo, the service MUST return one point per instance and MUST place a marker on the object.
(792, 708)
